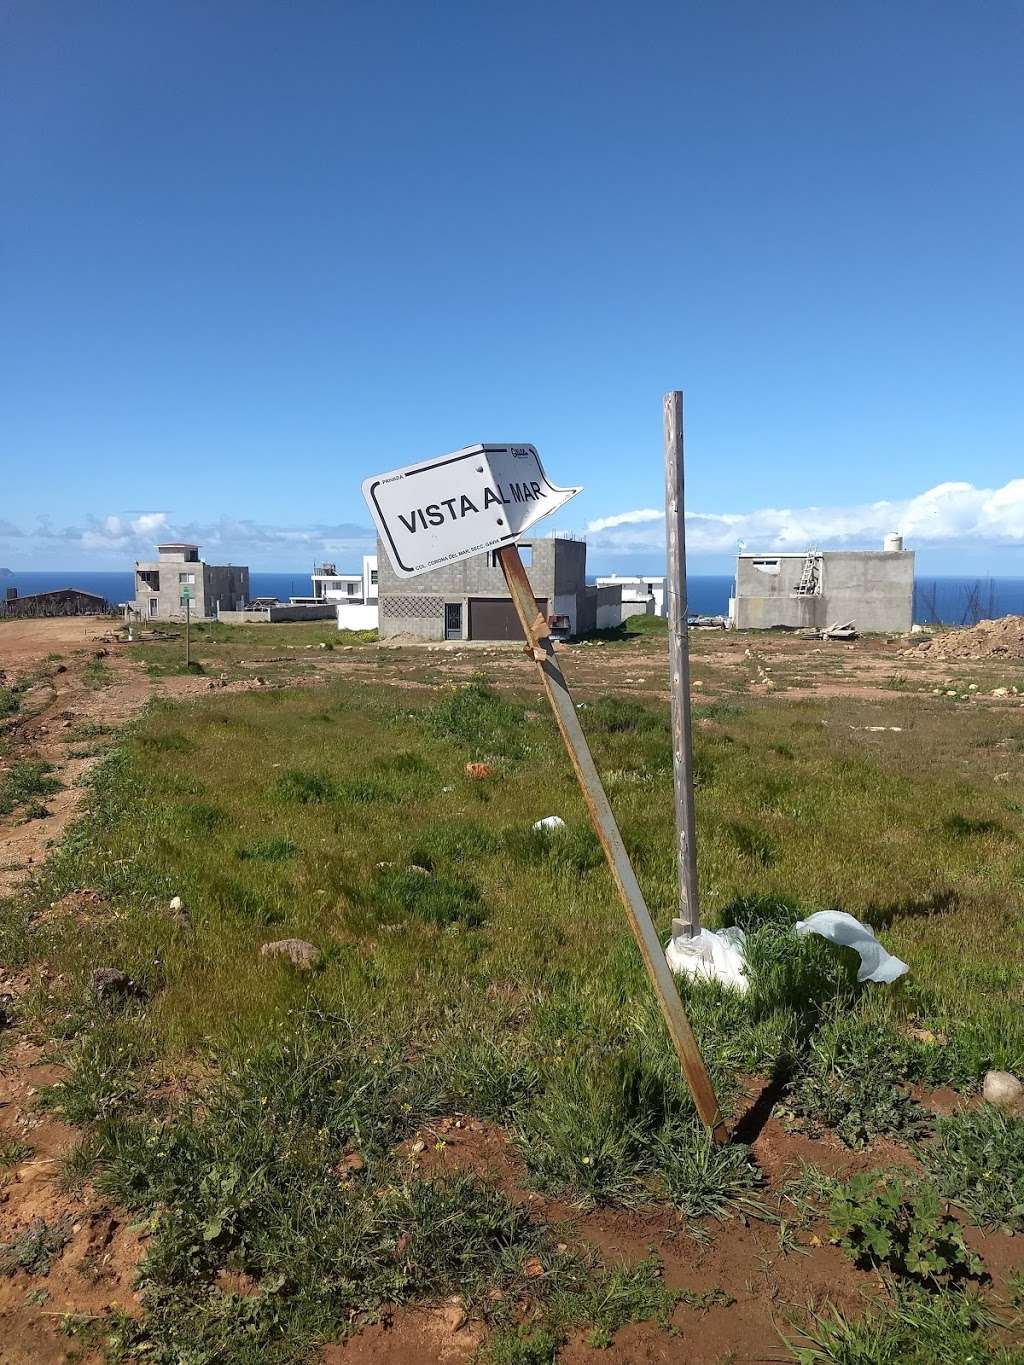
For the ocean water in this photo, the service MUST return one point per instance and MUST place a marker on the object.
(954, 601)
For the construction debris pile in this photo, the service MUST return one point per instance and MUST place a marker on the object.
(1001, 639)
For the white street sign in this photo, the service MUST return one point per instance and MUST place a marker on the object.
(446, 509)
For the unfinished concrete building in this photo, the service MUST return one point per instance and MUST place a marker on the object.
(468, 600)
(872, 588)
(160, 585)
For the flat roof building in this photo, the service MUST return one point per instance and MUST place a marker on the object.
(468, 600)
(160, 584)
(818, 588)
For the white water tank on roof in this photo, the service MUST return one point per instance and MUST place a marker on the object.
(892, 542)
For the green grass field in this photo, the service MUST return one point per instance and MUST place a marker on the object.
(473, 966)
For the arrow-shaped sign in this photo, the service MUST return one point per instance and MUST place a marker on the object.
(458, 505)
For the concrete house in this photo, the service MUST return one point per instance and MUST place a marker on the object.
(469, 601)
(872, 588)
(160, 584)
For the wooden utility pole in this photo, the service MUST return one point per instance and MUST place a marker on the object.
(541, 648)
(679, 665)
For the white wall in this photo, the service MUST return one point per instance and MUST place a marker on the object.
(356, 616)
(369, 569)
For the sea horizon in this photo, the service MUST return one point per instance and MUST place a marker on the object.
(951, 599)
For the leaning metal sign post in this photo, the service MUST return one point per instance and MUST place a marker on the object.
(483, 498)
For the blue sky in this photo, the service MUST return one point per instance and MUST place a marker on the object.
(253, 252)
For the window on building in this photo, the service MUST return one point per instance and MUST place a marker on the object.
(765, 565)
(373, 576)
(186, 578)
(352, 588)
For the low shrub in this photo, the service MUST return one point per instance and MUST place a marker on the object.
(903, 1228)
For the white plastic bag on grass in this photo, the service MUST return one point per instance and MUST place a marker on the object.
(838, 927)
(550, 823)
(709, 956)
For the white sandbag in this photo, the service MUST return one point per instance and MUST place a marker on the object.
(709, 956)
(550, 822)
(838, 927)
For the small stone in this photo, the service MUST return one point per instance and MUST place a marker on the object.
(1002, 1089)
(479, 771)
(1000, 691)
(111, 981)
(418, 1146)
(455, 1316)
(305, 956)
(533, 1269)
(178, 913)
(417, 867)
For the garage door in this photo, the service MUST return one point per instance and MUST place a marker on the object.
(494, 618)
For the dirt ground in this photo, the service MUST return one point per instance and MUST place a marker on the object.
(94, 1270)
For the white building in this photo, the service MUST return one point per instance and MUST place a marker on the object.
(641, 596)
(355, 594)
(348, 589)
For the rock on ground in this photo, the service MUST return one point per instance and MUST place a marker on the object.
(305, 956)
(1002, 1089)
(108, 982)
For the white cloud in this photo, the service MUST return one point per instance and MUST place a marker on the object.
(953, 515)
(626, 519)
(950, 515)
(116, 539)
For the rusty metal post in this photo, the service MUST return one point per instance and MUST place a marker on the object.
(679, 666)
(539, 645)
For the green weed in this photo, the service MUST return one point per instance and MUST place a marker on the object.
(853, 1083)
(916, 1328)
(977, 1161)
(903, 1228)
(483, 723)
(26, 781)
(13, 1152)
(403, 893)
(35, 1250)
(97, 675)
